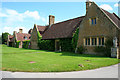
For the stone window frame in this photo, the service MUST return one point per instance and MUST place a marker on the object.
(93, 20)
(97, 41)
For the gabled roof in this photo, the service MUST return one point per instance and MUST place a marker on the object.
(63, 29)
(113, 17)
(21, 36)
(42, 29)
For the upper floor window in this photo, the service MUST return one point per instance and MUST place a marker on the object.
(93, 21)
(25, 37)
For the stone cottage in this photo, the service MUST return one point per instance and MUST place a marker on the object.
(61, 30)
(97, 26)
(20, 36)
(34, 35)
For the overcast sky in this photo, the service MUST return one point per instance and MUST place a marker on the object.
(24, 15)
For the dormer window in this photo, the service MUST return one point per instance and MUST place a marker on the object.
(93, 21)
(25, 37)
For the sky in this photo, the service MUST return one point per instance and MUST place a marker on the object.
(15, 15)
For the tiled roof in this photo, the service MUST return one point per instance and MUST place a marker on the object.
(63, 29)
(41, 29)
(113, 17)
(21, 36)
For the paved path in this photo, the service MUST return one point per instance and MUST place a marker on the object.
(104, 72)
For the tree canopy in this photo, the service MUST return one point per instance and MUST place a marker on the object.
(4, 37)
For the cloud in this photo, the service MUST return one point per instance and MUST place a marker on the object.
(33, 14)
(11, 29)
(106, 7)
(8, 13)
(25, 30)
(116, 5)
(43, 19)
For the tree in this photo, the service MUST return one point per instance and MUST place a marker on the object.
(4, 37)
(0, 39)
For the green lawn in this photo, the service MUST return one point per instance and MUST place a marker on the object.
(15, 59)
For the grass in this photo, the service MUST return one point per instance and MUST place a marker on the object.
(15, 59)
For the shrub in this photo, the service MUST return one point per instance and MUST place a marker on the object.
(105, 50)
(81, 49)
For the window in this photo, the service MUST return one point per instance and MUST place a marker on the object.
(101, 41)
(93, 21)
(25, 37)
(87, 41)
(94, 41)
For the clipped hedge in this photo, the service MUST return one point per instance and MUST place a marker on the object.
(26, 44)
(66, 44)
(17, 44)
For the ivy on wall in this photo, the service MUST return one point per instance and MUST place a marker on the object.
(66, 44)
(45, 44)
(75, 39)
(17, 44)
(26, 44)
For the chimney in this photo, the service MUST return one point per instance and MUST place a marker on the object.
(14, 32)
(20, 30)
(51, 19)
(88, 4)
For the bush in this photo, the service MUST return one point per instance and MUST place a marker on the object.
(105, 50)
(81, 49)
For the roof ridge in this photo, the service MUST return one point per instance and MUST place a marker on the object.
(69, 20)
(116, 16)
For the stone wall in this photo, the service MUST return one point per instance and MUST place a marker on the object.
(103, 27)
(34, 38)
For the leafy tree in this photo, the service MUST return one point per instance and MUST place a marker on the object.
(0, 39)
(4, 37)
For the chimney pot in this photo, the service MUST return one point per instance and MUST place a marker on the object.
(20, 30)
(88, 4)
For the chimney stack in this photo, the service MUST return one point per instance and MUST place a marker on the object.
(14, 32)
(51, 19)
(88, 4)
(20, 30)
